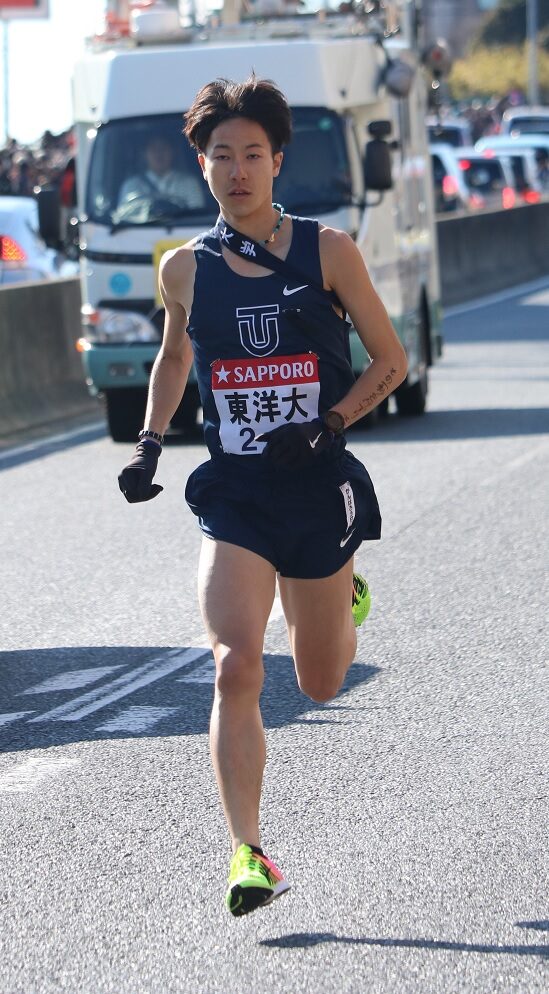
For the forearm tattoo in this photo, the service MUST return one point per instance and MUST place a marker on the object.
(382, 390)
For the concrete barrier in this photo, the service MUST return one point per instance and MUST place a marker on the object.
(41, 376)
(492, 250)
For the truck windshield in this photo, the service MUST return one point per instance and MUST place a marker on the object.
(447, 134)
(143, 172)
(530, 126)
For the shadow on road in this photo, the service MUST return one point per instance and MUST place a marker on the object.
(509, 322)
(305, 940)
(434, 426)
(454, 425)
(31, 449)
(541, 926)
(52, 697)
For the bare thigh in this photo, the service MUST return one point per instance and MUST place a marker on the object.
(321, 630)
(236, 590)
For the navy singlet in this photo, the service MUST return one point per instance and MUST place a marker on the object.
(267, 351)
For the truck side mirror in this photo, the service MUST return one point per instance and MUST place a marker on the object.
(377, 158)
(49, 216)
(377, 166)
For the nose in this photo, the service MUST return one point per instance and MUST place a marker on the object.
(238, 169)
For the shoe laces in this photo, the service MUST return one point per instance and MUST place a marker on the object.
(359, 588)
(246, 859)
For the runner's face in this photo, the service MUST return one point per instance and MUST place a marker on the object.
(239, 166)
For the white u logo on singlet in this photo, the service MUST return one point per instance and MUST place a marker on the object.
(258, 327)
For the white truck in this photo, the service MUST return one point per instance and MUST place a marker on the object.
(341, 74)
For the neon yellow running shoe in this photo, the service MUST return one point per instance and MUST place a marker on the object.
(362, 601)
(254, 881)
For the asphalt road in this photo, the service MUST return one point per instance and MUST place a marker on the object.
(409, 814)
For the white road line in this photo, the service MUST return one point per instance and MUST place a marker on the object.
(527, 456)
(276, 610)
(496, 298)
(205, 673)
(149, 672)
(27, 775)
(136, 719)
(517, 463)
(133, 719)
(67, 436)
(71, 680)
(6, 719)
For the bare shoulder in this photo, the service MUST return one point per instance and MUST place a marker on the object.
(178, 263)
(332, 242)
(177, 270)
(338, 254)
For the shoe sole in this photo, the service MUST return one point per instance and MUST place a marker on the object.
(244, 900)
(280, 889)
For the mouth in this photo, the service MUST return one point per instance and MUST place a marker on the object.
(239, 193)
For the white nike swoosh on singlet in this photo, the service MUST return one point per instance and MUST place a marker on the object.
(347, 537)
(288, 293)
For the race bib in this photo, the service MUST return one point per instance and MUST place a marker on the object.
(256, 395)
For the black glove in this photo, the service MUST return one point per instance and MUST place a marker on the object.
(293, 445)
(135, 480)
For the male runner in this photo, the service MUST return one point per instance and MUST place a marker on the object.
(280, 493)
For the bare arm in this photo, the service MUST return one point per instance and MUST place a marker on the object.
(174, 360)
(344, 271)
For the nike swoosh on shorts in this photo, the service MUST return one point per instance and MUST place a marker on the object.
(347, 537)
(288, 293)
(312, 442)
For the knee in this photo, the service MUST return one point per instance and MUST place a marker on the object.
(237, 672)
(320, 675)
(321, 688)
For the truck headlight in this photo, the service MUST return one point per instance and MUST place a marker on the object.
(103, 325)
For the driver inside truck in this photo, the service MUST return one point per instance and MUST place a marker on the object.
(160, 179)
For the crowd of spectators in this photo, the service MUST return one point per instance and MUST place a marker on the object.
(24, 169)
(49, 162)
(485, 118)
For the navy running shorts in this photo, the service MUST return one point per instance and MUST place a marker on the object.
(307, 524)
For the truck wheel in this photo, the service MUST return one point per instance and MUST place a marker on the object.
(412, 400)
(185, 416)
(125, 413)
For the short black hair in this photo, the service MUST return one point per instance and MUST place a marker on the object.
(256, 99)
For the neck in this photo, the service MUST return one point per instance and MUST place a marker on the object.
(258, 225)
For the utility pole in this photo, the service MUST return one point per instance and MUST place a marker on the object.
(532, 47)
(6, 74)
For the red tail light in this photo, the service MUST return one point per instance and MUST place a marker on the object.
(10, 250)
(449, 186)
(508, 197)
(531, 197)
(464, 164)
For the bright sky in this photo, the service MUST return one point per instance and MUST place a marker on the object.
(41, 56)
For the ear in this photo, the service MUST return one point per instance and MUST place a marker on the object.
(202, 163)
(277, 162)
